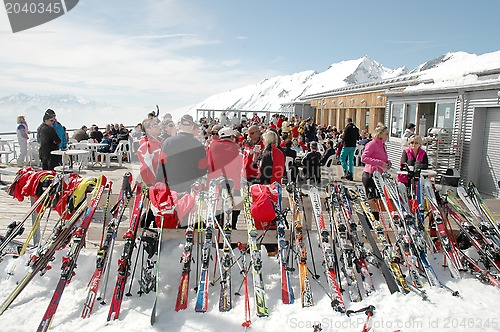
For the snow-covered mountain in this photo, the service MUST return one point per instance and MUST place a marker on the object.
(270, 93)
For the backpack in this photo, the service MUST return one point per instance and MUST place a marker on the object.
(263, 199)
(163, 205)
(166, 205)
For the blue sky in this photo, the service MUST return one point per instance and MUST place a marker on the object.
(177, 53)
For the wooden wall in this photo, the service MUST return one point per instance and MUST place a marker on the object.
(334, 110)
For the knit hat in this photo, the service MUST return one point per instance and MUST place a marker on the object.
(50, 112)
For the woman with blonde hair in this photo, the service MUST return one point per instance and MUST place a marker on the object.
(413, 159)
(22, 132)
(272, 164)
(375, 158)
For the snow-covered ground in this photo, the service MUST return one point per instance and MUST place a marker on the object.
(475, 310)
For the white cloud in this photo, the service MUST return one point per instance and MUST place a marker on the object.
(121, 63)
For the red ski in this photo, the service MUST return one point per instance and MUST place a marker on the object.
(124, 262)
(69, 261)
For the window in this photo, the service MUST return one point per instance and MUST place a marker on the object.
(396, 123)
(411, 114)
(445, 115)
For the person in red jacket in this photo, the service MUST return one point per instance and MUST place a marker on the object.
(272, 165)
(149, 152)
(252, 150)
(224, 159)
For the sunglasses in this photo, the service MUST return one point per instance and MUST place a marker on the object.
(215, 133)
(52, 120)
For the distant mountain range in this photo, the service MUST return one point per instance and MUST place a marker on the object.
(266, 95)
(72, 111)
(450, 69)
(270, 93)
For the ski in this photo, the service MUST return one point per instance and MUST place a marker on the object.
(477, 200)
(347, 257)
(40, 260)
(124, 262)
(17, 228)
(490, 228)
(202, 294)
(261, 307)
(359, 247)
(304, 282)
(365, 216)
(187, 258)
(329, 259)
(107, 245)
(450, 249)
(157, 276)
(284, 251)
(69, 261)
(225, 298)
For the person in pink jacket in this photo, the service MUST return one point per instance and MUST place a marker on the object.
(375, 158)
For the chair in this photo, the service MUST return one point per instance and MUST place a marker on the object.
(33, 153)
(329, 165)
(357, 154)
(289, 162)
(6, 150)
(123, 147)
(321, 148)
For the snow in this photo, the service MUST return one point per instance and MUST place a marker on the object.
(476, 310)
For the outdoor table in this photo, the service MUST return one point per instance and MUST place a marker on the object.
(93, 147)
(69, 153)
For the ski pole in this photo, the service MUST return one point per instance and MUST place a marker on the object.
(301, 195)
(133, 271)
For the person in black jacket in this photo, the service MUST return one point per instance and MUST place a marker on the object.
(312, 163)
(289, 152)
(350, 139)
(185, 158)
(330, 151)
(49, 141)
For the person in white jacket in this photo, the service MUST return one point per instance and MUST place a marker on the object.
(22, 132)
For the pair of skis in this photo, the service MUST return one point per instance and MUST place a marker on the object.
(69, 261)
(61, 234)
(329, 259)
(125, 260)
(104, 254)
(300, 247)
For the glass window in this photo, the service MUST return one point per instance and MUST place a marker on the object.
(411, 114)
(445, 115)
(396, 124)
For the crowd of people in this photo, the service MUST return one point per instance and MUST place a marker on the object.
(253, 148)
